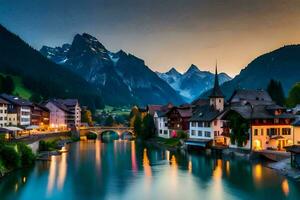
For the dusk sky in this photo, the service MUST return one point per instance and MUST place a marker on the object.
(165, 33)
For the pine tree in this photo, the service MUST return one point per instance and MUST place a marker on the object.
(276, 92)
(294, 96)
(138, 126)
(148, 127)
(8, 85)
(1, 84)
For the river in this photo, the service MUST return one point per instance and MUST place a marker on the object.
(127, 170)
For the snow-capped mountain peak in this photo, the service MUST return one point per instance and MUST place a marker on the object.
(193, 82)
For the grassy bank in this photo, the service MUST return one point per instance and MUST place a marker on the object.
(14, 156)
(20, 89)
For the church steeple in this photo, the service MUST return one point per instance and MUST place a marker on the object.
(216, 97)
(216, 91)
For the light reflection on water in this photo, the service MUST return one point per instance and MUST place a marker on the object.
(128, 170)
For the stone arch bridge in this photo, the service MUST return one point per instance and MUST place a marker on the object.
(99, 130)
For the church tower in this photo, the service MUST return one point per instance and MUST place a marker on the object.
(216, 98)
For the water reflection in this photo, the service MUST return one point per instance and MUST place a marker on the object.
(128, 170)
(285, 187)
(57, 173)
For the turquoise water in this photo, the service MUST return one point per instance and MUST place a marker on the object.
(126, 170)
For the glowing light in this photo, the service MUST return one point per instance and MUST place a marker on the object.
(257, 173)
(285, 187)
(62, 171)
(217, 173)
(257, 145)
(16, 187)
(98, 153)
(190, 167)
(24, 179)
(133, 157)
(146, 164)
(52, 175)
(227, 168)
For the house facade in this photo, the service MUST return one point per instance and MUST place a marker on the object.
(265, 124)
(3, 113)
(58, 115)
(178, 118)
(64, 113)
(18, 107)
(40, 116)
(74, 112)
(206, 125)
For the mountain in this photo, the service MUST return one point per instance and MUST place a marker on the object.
(282, 64)
(193, 82)
(123, 78)
(41, 76)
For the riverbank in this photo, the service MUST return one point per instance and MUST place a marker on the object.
(171, 144)
(21, 153)
(15, 155)
(280, 165)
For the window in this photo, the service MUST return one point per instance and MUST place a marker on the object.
(194, 124)
(200, 124)
(165, 132)
(193, 132)
(206, 124)
(215, 122)
(286, 131)
(207, 134)
(272, 131)
(255, 132)
(199, 133)
(160, 131)
(216, 133)
(262, 131)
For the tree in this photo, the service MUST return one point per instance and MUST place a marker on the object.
(276, 92)
(148, 127)
(86, 116)
(294, 96)
(36, 98)
(109, 121)
(138, 125)
(8, 85)
(1, 84)
(239, 129)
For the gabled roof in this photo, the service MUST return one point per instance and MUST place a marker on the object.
(59, 105)
(249, 111)
(252, 96)
(68, 102)
(15, 100)
(2, 101)
(154, 108)
(184, 112)
(205, 113)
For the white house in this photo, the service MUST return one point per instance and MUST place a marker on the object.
(162, 125)
(205, 123)
(58, 114)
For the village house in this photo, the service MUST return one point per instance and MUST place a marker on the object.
(266, 125)
(74, 115)
(160, 119)
(19, 110)
(206, 126)
(64, 113)
(40, 116)
(3, 113)
(178, 119)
